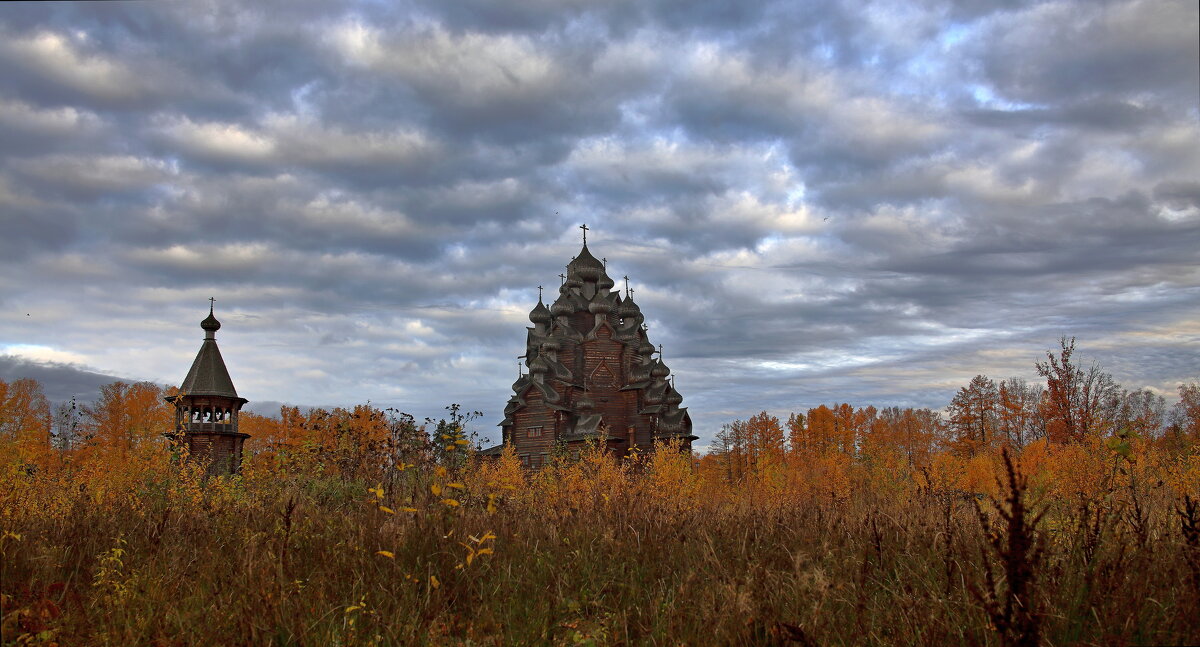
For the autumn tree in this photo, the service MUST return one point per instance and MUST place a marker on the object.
(407, 441)
(1018, 419)
(266, 433)
(910, 433)
(68, 419)
(797, 434)
(124, 419)
(821, 434)
(973, 415)
(1078, 403)
(24, 424)
(764, 437)
(863, 423)
(1183, 431)
(450, 438)
(845, 429)
(730, 446)
(1141, 413)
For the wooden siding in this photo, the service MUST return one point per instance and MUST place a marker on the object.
(534, 414)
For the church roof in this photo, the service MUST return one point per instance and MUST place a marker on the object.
(208, 375)
(564, 346)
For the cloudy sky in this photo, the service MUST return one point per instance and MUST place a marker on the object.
(815, 201)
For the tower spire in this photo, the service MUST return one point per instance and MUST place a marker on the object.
(210, 323)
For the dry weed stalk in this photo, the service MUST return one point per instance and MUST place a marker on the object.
(1012, 608)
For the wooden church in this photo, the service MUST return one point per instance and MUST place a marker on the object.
(592, 372)
(207, 406)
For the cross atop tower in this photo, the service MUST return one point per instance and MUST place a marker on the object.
(562, 278)
(605, 261)
(212, 302)
(626, 277)
(539, 294)
(584, 227)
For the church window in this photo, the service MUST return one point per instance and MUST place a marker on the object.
(534, 432)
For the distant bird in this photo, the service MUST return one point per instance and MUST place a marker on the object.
(826, 219)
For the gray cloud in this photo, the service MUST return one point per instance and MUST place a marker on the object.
(815, 202)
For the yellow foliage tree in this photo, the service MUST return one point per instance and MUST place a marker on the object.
(24, 425)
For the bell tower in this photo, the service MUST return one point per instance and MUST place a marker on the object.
(207, 406)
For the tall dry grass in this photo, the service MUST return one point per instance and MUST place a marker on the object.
(588, 551)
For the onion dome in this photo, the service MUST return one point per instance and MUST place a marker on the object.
(660, 369)
(653, 395)
(586, 266)
(628, 309)
(646, 348)
(540, 314)
(561, 307)
(210, 324)
(538, 365)
(672, 397)
(604, 282)
(599, 307)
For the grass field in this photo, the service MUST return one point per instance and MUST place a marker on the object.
(593, 551)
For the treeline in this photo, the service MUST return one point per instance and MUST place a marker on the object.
(1076, 410)
(124, 430)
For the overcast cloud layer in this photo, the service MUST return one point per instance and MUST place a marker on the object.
(816, 202)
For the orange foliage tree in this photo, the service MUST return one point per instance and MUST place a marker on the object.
(973, 415)
(24, 425)
(1078, 403)
(125, 420)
